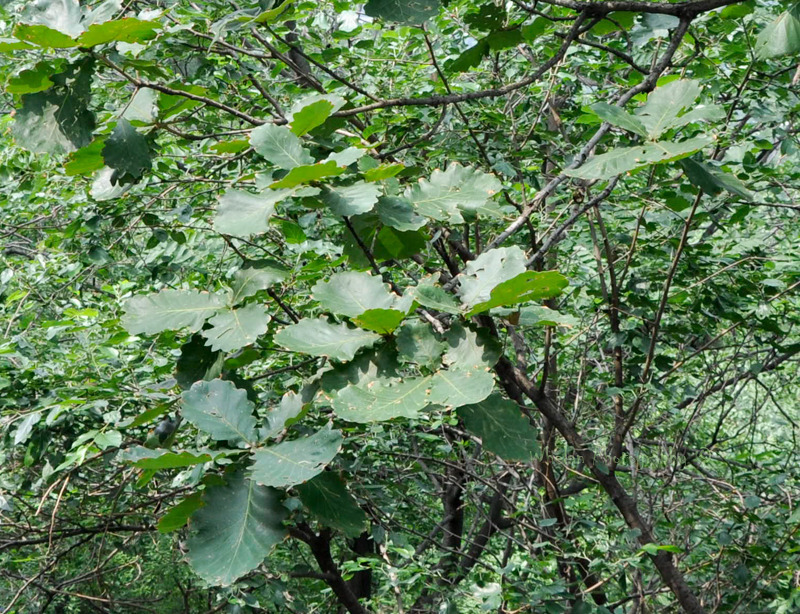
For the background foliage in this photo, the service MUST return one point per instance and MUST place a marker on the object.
(399, 307)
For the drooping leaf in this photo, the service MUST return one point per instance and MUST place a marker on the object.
(353, 199)
(346, 157)
(169, 310)
(197, 362)
(235, 530)
(280, 146)
(297, 461)
(527, 286)
(306, 174)
(127, 152)
(713, 180)
(142, 106)
(416, 343)
(243, 214)
(624, 159)
(327, 498)
(491, 268)
(58, 120)
(259, 275)
(320, 338)
(352, 293)
(447, 193)
(378, 401)
(232, 329)
(457, 387)
(502, 428)
(782, 36)
(220, 409)
(409, 12)
(178, 515)
(381, 321)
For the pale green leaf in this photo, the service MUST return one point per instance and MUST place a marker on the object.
(320, 338)
(260, 275)
(232, 329)
(619, 117)
(460, 387)
(353, 199)
(376, 401)
(169, 310)
(780, 37)
(220, 409)
(447, 193)
(243, 214)
(488, 270)
(527, 286)
(294, 462)
(352, 293)
(279, 146)
(399, 213)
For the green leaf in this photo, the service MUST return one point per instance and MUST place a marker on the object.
(352, 293)
(220, 409)
(399, 213)
(378, 401)
(235, 530)
(381, 321)
(502, 428)
(197, 362)
(353, 199)
(126, 30)
(713, 180)
(307, 174)
(86, 160)
(243, 214)
(169, 310)
(232, 329)
(178, 515)
(259, 275)
(320, 338)
(145, 458)
(36, 79)
(327, 498)
(619, 117)
(384, 171)
(279, 146)
(461, 387)
(491, 268)
(416, 343)
(470, 58)
(294, 462)
(42, 36)
(527, 286)
(58, 120)
(393, 244)
(127, 152)
(447, 193)
(781, 37)
(313, 111)
(625, 159)
(409, 12)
